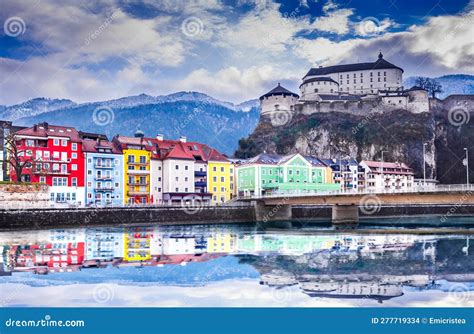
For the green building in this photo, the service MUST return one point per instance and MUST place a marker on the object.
(271, 173)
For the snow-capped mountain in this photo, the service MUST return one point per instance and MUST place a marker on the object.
(196, 115)
(33, 107)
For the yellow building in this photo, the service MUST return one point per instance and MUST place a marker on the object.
(136, 244)
(220, 178)
(136, 169)
(221, 242)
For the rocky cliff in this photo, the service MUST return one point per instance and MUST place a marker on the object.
(400, 134)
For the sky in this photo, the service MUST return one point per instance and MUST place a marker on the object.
(232, 50)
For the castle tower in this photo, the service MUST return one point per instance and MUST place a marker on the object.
(279, 99)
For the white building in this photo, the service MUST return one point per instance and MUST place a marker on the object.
(156, 180)
(357, 79)
(387, 176)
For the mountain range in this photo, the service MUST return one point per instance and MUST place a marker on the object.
(195, 115)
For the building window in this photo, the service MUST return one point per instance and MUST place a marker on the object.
(176, 167)
(42, 179)
(186, 167)
(74, 146)
(74, 182)
(74, 167)
(131, 159)
(177, 189)
(63, 142)
(56, 142)
(142, 159)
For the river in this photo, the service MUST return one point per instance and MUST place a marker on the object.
(238, 265)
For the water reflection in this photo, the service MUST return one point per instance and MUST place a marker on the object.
(312, 263)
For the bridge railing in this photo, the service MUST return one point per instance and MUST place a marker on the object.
(413, 190)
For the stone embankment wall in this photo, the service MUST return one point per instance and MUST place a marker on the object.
(23, 196)
(83, 217)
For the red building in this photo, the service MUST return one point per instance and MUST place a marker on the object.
(54, 156)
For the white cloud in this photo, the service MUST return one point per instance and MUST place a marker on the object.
(233, 84)
(336, 21)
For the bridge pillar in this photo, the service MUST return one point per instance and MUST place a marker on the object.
(345, 214)
(268, 213)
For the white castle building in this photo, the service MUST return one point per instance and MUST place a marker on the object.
(353, 88)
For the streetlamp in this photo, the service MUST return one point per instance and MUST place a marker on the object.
(381, 166)
(467, 166)
(424, 164)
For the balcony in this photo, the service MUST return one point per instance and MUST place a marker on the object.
(137, 183)
(138, 172)
(137, 193)
(104, 189)
(200, 184)
(137, 163)
(103, 178)
(200, 173)
(103, 166)
(51, 172)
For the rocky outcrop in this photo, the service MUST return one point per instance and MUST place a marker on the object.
(400, 134)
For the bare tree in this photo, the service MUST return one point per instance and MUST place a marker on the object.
(422, 82)
(432, 86)
(17, 158)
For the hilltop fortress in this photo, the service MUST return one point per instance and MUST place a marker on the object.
(358, 88)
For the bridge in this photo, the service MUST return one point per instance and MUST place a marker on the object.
(347, 204)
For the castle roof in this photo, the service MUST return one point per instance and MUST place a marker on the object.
(319, 79)
(377, 65)
(279, 90)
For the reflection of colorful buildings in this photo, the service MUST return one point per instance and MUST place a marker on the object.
(221, 242)
(104, 244)
(137, 242)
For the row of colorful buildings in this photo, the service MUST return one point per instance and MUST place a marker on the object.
(89, 169)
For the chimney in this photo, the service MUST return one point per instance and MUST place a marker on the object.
(35, 127)
(182, 139)
(159, 137)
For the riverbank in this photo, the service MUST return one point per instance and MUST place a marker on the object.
(28, 219)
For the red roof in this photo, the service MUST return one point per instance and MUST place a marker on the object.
(46, 130)
(173, 149)
(93, 146)
(402, 168)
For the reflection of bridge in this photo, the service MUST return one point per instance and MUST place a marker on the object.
(345, 205)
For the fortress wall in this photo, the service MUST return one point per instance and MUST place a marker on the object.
(350, 107)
